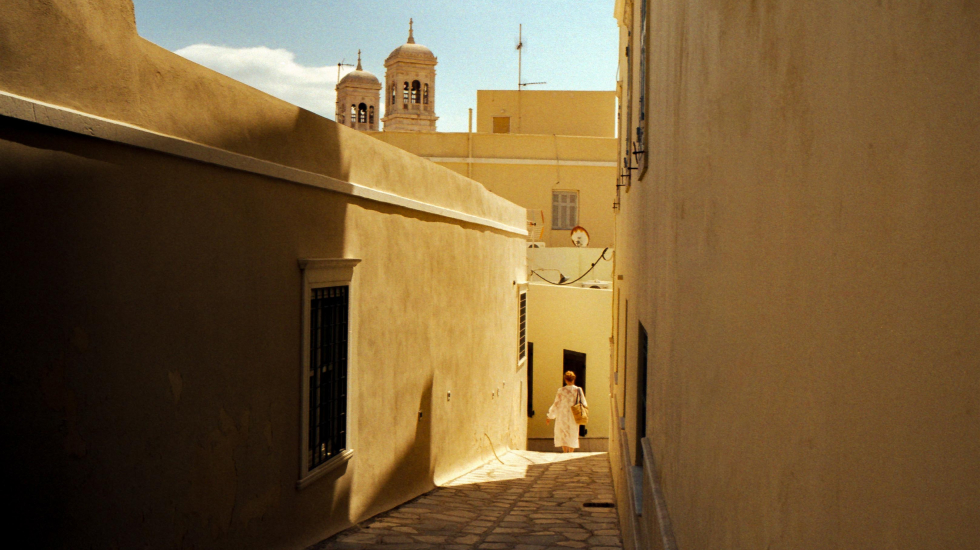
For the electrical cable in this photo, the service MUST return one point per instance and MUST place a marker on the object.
(494, 450)
(566, 283)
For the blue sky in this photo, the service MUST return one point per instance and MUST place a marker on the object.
(290, 48)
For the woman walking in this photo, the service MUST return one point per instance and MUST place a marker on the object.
(566, 429)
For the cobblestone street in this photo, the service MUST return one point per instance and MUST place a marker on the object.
(534, 501)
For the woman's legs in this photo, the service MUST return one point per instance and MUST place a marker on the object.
(565, 449)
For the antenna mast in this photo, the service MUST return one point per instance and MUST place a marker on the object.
(342, 64)
(520, 46)
(520, 50)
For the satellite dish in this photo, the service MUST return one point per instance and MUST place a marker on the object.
(580, 237)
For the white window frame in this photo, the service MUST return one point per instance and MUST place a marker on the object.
(565, 220)
(521, 291)
(320, 273)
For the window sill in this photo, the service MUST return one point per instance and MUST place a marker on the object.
(322, 469)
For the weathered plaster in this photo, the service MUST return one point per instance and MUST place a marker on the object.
(802, 252)
(180, 273)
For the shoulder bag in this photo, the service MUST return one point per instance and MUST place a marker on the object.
(579, 410)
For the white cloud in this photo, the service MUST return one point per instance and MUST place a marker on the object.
(275, 72)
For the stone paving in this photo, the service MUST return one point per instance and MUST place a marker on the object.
(533, 501)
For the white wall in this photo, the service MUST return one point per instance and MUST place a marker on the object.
(571, 261)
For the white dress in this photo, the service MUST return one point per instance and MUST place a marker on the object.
(566, 429)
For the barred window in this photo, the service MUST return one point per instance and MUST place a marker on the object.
(564, 209)
(522, 331)
(327, 374)
(329, 295)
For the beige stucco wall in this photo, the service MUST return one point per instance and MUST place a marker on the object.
(129, 79)
(523, 169)
(803, 252)
(576, 319)
(152, 304)
(561, 112)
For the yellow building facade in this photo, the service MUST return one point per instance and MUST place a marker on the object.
(561, 112)
(540, 170)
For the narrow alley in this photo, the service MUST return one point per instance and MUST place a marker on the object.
(525, 501)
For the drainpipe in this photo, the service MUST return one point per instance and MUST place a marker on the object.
(469, 148)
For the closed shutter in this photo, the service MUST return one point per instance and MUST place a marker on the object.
(564, 209)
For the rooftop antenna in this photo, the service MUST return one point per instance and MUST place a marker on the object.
(520, 50)
(342, 64)
(520, 47)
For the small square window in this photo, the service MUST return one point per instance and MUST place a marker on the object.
(501, 124)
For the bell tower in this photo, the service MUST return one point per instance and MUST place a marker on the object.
(357, 99)
(410, 88)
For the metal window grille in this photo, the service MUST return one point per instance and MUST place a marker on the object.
(564, 209)
(328, 374)
(522, 338)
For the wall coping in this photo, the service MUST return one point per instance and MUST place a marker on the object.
(77, 122)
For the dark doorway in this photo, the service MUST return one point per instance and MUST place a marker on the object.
(530, 380)
(626, 359)
(575, 362)
(641, 394)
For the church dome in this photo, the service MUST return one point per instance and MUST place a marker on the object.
(411, 51)
(360, 77)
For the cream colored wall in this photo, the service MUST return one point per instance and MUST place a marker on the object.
(576, 319)
(803, 253)
(152, 388)
(522, 169)
(566, 113)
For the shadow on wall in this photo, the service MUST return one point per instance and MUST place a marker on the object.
(412, 472)
(150, 393)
